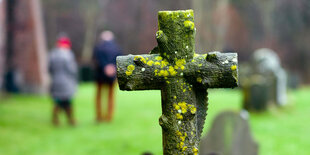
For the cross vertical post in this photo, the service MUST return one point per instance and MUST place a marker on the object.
(182, 76)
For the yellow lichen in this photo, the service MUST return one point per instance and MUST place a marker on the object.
(181, 144)
(183, 106)
(128, 73)
(174, 97)
(130, 69)
(150, 63)
(193, 109)
(157, 63)
(140, 58)
(199, 65)
(233, 67)
(156, 72)
(159, 58)
(179, 116)
(182, 138)
(172, 71)
(168, 82)
(163, 73)
(176, 107)
(199, 79)
(166, 73)
(179, 133)
(195, 151)
(184, 148)
(179, 64)
(164, 63)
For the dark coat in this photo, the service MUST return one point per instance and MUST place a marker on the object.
(105, 52)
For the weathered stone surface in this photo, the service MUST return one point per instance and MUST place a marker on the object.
(229, 135)
(182, 76)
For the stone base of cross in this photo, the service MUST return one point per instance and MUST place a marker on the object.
(182, 76)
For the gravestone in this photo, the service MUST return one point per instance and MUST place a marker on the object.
(229, 135)
(265, 82)
(267, 63)
(182, 76)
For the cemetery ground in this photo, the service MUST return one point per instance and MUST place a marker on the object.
(25, 124)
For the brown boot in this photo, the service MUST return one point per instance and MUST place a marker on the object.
(55, 119)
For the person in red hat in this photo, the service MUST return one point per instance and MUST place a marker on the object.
(63, 72)
(64, 42)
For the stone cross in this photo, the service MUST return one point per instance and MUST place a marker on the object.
(182, 76)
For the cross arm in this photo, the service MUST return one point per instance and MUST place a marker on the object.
(213, 70)
(140, 72)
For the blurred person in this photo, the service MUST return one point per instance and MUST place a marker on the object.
(104, 56)
(63, 71)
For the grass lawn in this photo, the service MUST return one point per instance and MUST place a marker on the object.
(25, 124)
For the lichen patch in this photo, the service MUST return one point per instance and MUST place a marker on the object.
(140, 58)
(233, 67)
(150, 63)
(130, 69)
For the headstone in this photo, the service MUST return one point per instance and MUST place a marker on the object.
(229, 135)
(257, 92)
(265, 83)
(27, 47)
(267, 62)
(182, 76)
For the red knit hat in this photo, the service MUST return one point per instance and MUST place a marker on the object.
(64, 42)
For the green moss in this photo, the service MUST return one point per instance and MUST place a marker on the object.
(179, 22)
(189, 24)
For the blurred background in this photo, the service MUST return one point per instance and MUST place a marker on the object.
(29, 28)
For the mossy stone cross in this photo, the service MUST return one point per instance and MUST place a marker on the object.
(182, 76)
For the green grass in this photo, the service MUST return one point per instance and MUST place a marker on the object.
(25, 124)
